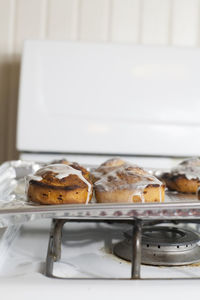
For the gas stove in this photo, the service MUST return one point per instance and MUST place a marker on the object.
(155, 235)
(88, 102)
(163, 246)
(93, 249)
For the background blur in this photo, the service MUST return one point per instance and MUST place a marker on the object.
(154, 22)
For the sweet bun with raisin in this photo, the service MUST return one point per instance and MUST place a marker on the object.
(129, 183)
(60, 184)
(184, 178)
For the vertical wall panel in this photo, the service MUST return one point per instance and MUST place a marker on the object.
(185, 22)
(175, 22)
(155, 21)
(125, 20)
(30, 22)
(6, 17)
(63, 19)
(6, 24)
(94, 20)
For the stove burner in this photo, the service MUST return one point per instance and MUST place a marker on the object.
(163, 246)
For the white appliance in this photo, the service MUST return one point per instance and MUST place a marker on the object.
(85, 102)
(88, 98)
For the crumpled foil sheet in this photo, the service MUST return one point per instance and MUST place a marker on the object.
(12, 182)
(15, 209)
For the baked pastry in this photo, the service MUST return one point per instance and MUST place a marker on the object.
(60, 161)
(198, 193)
(184, 178)
(60, 184)
(129, 183)
(105, 168)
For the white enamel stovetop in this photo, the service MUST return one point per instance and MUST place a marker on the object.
(75, 101)
(85, 253)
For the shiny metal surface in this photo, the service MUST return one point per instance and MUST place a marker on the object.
(15, 209)
(55, 241)
(163, 246)
(135, 240)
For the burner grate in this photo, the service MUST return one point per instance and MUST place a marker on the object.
(151, 245)
(163, 246)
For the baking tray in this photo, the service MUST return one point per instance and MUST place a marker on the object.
(14, 207)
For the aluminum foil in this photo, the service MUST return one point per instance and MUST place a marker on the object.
(12, 189)
(15, 209)
(12, 181)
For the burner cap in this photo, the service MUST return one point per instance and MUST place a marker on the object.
(162, 245)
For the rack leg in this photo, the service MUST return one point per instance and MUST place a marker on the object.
(54, 248)
(57, 238)
(136, 250)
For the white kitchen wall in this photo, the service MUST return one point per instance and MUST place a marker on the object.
(158, 22)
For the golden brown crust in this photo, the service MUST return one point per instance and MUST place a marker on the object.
(129, 183)
(152, 193)
(60, 161)
(67, 190)
(198, 193)
(47, 194)
(113, 162)
(180, 183)
(107, 167)
(49, 177)
(185, 177)
(74, 165)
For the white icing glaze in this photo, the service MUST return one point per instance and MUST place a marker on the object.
(61, 171)
(141, 179)
(190, 168)
(108, 166)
